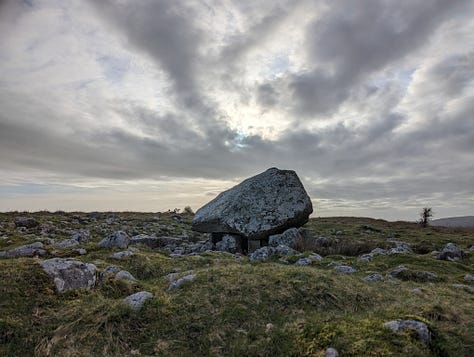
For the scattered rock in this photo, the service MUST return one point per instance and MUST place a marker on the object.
(137, 300)
(468, 288)
(421, 276)
(181, 281)
(373, 277)
(421, 328)
(171, 277)
(285, 250)
(67, 243)
(400, 248)
(228, 244)
(124, 275)
(451, 252)
(111, 270)
(288, 238)
(70, 274)
(347, 269)
(468, 277)
(81, 251)
(262, 253)
(28, 250)
(332, 352)
(119, 239)
(366, 257)
(82, 236)
(378, 251)
(26, 222)
(155, 242)
(122, 255)
(263, 205)
(303, 262)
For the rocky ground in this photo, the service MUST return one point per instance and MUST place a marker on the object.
(118, 284)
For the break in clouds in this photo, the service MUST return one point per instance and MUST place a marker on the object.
(153, 105)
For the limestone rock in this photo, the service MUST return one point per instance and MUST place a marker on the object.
(122, 255)
(421, 328)
(137, 300)
(28, 250)
(260, 206)
(70, 274)
(451, 252)
(262, 253)
(347, 269)
(373, 277)
(288, 237)
(27, 222)
(181, 281)
(228, 244)
(332, 352)
(119, 239)
(81, 236)
(124, 275)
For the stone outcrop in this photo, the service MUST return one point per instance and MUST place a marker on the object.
(451, 252)
(261, 206)
(119, 239)
(28, 250)
(70, 274)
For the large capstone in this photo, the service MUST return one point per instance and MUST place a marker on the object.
(263, 205)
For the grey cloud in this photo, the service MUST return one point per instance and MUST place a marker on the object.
(353, 40)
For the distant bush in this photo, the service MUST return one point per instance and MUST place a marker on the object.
(188, 210)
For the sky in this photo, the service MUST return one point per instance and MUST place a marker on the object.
(160, 104)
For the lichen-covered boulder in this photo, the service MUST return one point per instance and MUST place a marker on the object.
(451, 252)
(28, 250)
(260, 206)
(70, 274)
(119, 239)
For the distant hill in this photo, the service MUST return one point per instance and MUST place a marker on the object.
(466, 221)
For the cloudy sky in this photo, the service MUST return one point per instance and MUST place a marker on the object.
(158, 104)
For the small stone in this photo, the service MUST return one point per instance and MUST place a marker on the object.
(303, 262)
(137, 300)
(82, 236)
(378, 251)
(262, 253)
(122, 255)
(180, 282)
(67, 243)
(81, 251)
(315, 256)
(421, 328)
(400, 248)
(269, 327)
(468, 277)
(332, 352)
(373, 277)
(366, 257)
(124, 275)
(347, 269)
(285, 250)
(111, 270)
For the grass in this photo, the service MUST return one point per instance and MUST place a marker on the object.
(236, 307)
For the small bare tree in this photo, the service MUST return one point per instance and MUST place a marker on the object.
(426, 215)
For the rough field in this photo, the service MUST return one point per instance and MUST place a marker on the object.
(234, 306)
